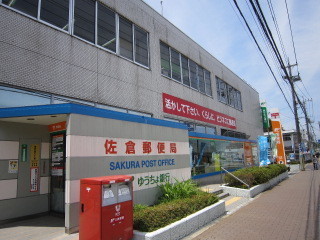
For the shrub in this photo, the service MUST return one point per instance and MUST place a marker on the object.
(178, 190)
(152, 218)
(255, 175)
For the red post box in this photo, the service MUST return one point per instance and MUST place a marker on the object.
(106, 208)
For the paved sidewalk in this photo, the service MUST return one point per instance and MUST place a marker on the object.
(288, 211)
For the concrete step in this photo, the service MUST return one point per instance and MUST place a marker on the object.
(223, 195)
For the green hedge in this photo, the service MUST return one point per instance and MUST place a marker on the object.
(255, 175)
(148, 219)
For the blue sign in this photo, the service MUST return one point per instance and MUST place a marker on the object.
(263, 150)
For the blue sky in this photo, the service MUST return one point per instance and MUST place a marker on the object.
(215, 26)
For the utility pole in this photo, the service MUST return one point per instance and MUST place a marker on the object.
(308, 130)
(291, 81)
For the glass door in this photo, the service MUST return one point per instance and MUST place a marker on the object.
(58, 162)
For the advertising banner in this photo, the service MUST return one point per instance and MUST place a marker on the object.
(183, 108)
(265, 119)
(276, 126)
(263, 150)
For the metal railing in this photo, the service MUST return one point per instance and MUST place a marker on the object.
(222, 168)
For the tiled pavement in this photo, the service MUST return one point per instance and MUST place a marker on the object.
(290, 210)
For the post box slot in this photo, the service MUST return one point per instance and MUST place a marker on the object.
(124, 193)
(109, 196)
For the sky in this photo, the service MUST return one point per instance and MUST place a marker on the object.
(215, 25)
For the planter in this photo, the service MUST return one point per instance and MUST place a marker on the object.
(254, 191)
(185, 226)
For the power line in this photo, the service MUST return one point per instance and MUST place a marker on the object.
(294, 48)
(235, 2)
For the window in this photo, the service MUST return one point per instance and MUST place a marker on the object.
(231, 96)
(207, 79)
(125, 38)
(21, 98)
(222, 90)
(202, 87)
(239, 102)
(228, 95)
(210, 130)
(200, 129)
(29, 7)
(84, 19)
(141, 46)
(193, 74)
(106, 28)
(165, 60)
(55, 12)
(185, 70)
(175, 61)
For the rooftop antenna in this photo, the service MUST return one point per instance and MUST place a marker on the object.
(161, 7)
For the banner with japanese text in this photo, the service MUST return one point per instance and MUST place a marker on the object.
(276, 127)
(183, 108)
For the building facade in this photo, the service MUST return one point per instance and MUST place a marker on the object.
(124, 66)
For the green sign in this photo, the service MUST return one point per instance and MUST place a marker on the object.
(24, 151)
(265, 118)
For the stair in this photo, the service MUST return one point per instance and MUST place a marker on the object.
(220, 194)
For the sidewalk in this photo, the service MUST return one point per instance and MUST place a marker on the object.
(288, 211)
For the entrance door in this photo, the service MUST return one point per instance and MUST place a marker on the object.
(58, 162)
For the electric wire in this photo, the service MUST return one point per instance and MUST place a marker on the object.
(252, 35)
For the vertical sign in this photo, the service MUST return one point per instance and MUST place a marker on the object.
(265, 119)
(57, 151)
(24, 152)
(263, 150)
(34, 167)
(276, 126)
(248, 154)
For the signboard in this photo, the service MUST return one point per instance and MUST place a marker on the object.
(183, 108)
(24, 152)
(265, 119)
(263, 150)
(34, 155)
(57, 155)
(57, 127)
(34, 179)
(248, 154)
(276, 126)
(13, 166)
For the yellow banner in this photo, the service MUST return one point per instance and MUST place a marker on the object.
(34, 155)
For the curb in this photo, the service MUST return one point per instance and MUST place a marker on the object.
(185, 226)
(254, 191)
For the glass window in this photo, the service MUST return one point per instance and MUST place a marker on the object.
(222, 91)
(21, 98)
(208, 82)
(210, 130)
(141, 46)
(126, 38)
(193, 74)
(239, 100)
(231, 96)
(84, 19)
(175, 62)
(201, 80)
(139, 113)
(29, 7)
(200, 129)
(106, 28)
(55, 12)
(165, 60)
(185, 70)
